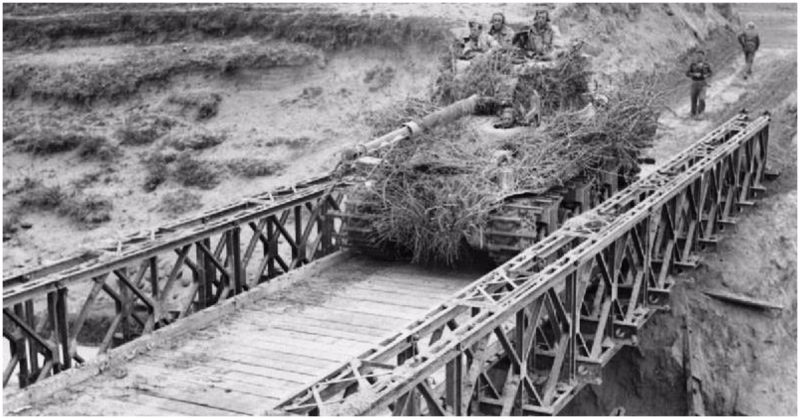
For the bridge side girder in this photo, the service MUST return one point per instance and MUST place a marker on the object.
(216, 260)
(550, 322)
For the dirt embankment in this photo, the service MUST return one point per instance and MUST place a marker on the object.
(258, 127)
(746, 359)
(104, 24)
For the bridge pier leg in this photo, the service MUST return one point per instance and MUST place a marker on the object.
(25, 370)
(271, 249)
(236, 271)
(454, 372)
(33, 347)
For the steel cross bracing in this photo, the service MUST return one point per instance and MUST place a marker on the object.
(525, 338)
(212, 257)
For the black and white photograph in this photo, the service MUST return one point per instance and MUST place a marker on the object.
(399, 209)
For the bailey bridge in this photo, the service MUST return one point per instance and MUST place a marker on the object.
(253, 308)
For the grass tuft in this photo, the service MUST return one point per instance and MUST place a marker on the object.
(253, 167)
(179, 202)
(189, 171)
(141, 129)
(43, 197)
(86, 209)
(98, 148)
(195, 139)
(49, 140)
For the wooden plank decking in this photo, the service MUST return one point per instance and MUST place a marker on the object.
(252, 358)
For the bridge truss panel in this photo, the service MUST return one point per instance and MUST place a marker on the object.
(525, 338)
(213, 257)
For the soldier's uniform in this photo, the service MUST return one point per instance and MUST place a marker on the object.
(536, 43)
(750, 42)
(501, 32)
(699, 71)
(477, 42)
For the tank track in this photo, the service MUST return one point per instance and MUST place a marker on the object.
(524, 220)
(520, 222)
(357, 232)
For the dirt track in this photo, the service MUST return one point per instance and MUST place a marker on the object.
(748, 358)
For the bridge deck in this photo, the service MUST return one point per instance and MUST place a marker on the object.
(250, 359)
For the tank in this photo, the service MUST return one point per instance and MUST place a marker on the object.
(518, 209)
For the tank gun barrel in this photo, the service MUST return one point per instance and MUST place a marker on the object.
(412, 128)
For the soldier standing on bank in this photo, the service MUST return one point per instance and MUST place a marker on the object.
(699, 71)
(750, 42)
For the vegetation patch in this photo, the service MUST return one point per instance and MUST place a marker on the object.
(81, 208)
(86, 209)
(84, 82)
(252, 167)
(162, 165)
(195, 139)
(42, 197)
(152, 23)
(143, 128)
(156, 166)
(98, 148)
(202, 174)
(290, 143)
(27, 183)
(179, 202)
(204, 104)
(49, 140)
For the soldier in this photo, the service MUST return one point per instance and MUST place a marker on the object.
(477, 42)
(699, 71)
(750, 42)
(537, 42)
(501, 32)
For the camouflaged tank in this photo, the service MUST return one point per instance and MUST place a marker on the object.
(519, 219)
